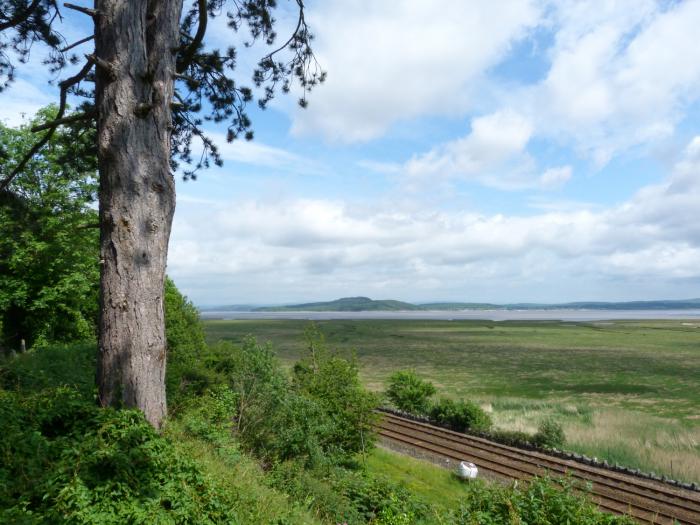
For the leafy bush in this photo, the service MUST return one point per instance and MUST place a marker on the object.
(186, 372)
(408, 392)
(460, 415)
(67, 461)
(272, 420)
(352, 497)
(511, 437)
(550, 434)
(56, 365)
(543, 501)
(334, 384)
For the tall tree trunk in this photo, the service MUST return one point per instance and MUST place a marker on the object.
(135, 64)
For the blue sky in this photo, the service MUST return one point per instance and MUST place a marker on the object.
(519, 150)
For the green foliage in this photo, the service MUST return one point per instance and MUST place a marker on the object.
(511, 437)
(64, 460)
(48, 250)
(408, 392)
(57, 365)
(460, 415)
(352, 497)
(271, 419)
(185, 373)
(333, 383)
(543, 501)
(550, 434)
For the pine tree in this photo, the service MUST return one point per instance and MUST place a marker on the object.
(147, 87)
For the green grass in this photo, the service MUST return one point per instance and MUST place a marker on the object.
(434, 485)
(451, 500)
(604, 381)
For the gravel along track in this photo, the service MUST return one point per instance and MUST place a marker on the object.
(644, 500)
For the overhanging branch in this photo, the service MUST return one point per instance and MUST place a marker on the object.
(66, 120)
(191, 49)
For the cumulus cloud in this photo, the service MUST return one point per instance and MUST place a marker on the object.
(342, 248)
(493, 153)
(620, 74)
(392, 61)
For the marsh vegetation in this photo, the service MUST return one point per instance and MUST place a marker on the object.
(625, 391)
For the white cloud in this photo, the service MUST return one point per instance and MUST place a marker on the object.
(260, 154)
(392, 61)
(493, 153)
(307, 248)
(621, 74)
(555, 177)
(21, 100)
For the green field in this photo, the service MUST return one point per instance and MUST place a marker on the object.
(625, 391)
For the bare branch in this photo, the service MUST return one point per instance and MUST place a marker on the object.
(85, 10)
(62, 121)
(102, 64)
(198, 37)
(76, 44)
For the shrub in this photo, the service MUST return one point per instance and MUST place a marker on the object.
(273, 421)
(511, 437)
(408, 392)
(334, 384)
(460, 415)
(340, 495)
(67, 461)
(543, 501)
(186, 374)
(550, 434)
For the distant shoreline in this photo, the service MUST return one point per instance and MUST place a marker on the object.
(581, 315)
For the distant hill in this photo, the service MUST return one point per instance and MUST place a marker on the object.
(365, 304)
(681, 304)
(228, 308)
(346, 304)
(460, 306)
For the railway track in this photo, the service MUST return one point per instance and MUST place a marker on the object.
(645, 500)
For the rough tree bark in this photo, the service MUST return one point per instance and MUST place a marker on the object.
(135, 65)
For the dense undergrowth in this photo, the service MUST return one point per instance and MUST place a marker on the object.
(246, 442)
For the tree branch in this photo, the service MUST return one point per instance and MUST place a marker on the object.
(21, 17)
(76, 44)
(65, 86)
(66, 120)
(103, 65)
(85, 10)
(301, 22)
(198, 37)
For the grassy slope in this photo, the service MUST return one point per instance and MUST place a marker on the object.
(240, 476)
(627, 391)
(434, 485)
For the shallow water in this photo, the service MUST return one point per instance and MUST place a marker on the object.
(491, 315)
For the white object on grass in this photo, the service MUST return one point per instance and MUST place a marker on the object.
(467, 470)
